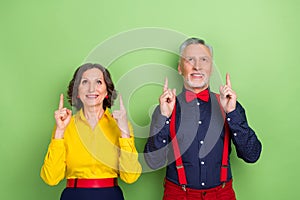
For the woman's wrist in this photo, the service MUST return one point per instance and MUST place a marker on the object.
(125, 135)
(59, 134)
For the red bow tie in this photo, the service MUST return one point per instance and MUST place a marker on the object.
(190, 96)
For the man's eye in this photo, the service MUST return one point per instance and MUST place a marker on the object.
(204, 59)
(190, 59)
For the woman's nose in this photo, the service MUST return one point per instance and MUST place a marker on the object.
(92, 87)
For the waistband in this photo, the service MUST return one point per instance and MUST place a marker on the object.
(179, 188)
(92, 183)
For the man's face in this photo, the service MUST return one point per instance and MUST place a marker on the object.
(195, 66)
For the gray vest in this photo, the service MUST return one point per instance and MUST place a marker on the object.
(189, 123)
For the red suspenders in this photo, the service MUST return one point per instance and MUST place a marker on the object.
(179, 164)
(224, 167)
(178, 161)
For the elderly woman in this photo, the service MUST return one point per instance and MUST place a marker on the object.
(93, 147)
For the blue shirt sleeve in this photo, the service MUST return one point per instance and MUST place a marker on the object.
(156, 149)
(247, 145)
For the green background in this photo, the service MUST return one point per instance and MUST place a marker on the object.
(43, 42)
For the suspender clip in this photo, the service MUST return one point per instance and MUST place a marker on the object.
(183, 187)
(223, 184)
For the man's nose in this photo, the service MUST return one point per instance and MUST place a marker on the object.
(197, 65)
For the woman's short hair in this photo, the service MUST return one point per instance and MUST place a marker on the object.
(75, 82)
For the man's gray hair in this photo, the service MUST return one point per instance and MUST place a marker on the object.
(190, 41)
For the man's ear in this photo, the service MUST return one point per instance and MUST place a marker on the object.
(179, 68)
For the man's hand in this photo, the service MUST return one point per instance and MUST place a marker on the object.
(227, 96)
(167, 100)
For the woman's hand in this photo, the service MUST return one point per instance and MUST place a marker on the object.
(121, 118)
(62, 117)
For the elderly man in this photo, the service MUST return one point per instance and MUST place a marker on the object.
(191, 133)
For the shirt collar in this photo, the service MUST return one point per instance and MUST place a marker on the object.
(80, 115)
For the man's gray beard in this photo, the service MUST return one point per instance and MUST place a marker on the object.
(200, 85)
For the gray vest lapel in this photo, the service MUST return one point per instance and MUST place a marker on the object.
(215, 128)
(188, 122)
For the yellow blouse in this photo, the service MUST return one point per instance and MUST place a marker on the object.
(88, 153)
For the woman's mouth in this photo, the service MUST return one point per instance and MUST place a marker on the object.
(92, 96)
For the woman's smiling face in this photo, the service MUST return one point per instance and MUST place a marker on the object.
(92, 88)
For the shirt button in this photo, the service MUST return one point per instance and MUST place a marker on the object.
(202, 184)
(164, 141)
(167, 122)
(201, 142)
(228, 119)
(202, 162)
(235, 134)
(198, 103)
(200, 122)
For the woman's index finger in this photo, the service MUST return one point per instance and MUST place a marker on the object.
(61, 102)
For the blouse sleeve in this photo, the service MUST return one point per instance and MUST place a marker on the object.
(129, 166)
(53, 169)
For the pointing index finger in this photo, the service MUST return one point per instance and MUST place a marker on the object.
(228, 82)
(166, 84)
(61, 102)
(121, 103)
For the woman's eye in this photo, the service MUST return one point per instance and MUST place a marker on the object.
(83, 82)
(99, 82)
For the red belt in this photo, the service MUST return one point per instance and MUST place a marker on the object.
(92, 183)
